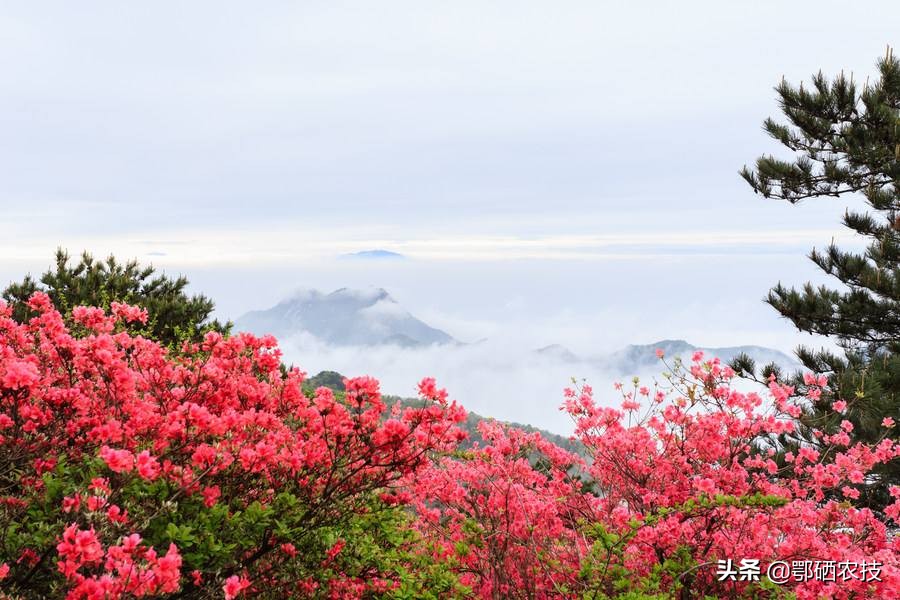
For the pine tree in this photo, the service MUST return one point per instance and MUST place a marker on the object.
(846, 141)
(173, 315)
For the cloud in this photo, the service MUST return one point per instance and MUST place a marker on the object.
(455, 118)
(491, 378)
(296, 243)
(494, 378)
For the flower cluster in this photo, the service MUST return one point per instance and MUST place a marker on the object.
(507, 513)
(127, 470)
(690, 481)
(127, 568)
(676, 479)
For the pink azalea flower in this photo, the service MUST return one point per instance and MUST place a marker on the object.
(234, 585)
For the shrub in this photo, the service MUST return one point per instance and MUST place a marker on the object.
(129, 472)
(672, 486)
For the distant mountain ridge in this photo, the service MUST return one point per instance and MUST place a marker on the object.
(558, 352)
(639, 357)
(377, 254)
(345, 317)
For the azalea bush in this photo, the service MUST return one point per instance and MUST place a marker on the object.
(127, 472)
(673, 482)
(129, 469)
(508, 513)
(683, 486)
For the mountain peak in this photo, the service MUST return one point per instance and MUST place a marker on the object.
(369, 295)
(668, 346)
(376, 254)
(344, 317)
(671, 343)
(558, 352)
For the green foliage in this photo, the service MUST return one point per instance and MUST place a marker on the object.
(174, 316)
(216, 540)
(330, 379)
(676, 571)
(846, 140)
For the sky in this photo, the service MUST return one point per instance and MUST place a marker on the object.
(553, 172)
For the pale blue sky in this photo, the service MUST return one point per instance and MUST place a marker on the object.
(569, 166)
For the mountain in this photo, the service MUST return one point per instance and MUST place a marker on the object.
(639, 358)
(558, 353)
(345, 317)
(329, 379)
(376, 254)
